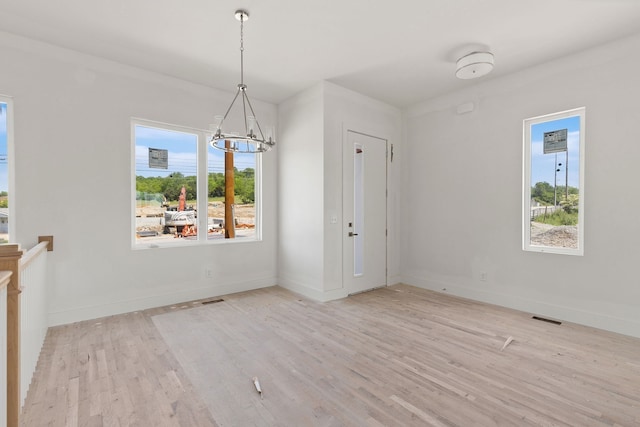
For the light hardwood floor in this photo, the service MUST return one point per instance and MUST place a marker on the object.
(391, 357)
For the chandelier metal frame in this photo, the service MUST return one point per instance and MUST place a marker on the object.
(250, 142)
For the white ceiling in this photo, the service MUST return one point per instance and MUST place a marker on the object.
(400, 52)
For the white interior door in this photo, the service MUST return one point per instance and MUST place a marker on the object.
(365, 212)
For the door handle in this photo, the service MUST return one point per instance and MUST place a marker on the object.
(351, 234)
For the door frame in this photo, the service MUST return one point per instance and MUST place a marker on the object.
(345, 247)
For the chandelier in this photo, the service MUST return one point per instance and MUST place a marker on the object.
(250, 142)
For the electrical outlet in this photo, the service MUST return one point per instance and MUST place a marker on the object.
(483, 276)
(208, 273)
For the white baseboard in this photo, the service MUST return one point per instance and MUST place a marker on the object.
(394, 280)
(570, 314)
(324, 296)
(311, 293)
(63, 317)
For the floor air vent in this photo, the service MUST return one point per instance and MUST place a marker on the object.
(213, 301)
(555, 322)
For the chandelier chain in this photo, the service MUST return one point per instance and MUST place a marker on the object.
(242, 49)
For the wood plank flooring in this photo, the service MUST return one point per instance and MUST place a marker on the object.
(397, 356)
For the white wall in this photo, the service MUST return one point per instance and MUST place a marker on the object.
(73, 180)
(300, 189)
(312, 127)
(347, 110)
(463, 182)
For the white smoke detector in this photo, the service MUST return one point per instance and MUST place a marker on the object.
(473, 65)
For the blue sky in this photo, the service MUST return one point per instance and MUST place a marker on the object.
(182, 153)
(544, 165)
(4, 174)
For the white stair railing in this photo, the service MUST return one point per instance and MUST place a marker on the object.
(24, 324)
(33, 321)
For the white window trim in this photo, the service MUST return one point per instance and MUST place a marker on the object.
(526, 179)
(203, 137)
(10, 166)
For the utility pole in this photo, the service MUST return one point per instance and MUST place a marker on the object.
(566, 176)
(229, 193)
(555, 142)
(555, 182)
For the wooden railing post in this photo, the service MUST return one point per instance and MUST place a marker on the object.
(10, 261)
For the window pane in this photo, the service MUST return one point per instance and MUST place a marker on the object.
(234, 216)
(358, 211)
(172, 166)
(4, 175)
(166, 184)
(553, 205)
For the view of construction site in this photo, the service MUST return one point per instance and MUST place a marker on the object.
(158, 221)
(167, 199)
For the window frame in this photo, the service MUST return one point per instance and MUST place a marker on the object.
(526, 190)
(202, 173)
(5, 99)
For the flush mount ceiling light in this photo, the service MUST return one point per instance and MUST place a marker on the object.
(473, 65)
(250, 142)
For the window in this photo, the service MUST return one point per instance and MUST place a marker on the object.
(553, 194)
(5, 142)
(178, 175)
